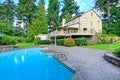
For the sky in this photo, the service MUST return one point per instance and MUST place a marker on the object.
(85, 5)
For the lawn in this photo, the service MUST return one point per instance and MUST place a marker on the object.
(24, 45)
(104, 46)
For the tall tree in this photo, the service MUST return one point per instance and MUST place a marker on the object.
(39, 24)
(69, 7)
(26, 10)
(112, 26)
(53, 13)
(105, 6)
(7, 11)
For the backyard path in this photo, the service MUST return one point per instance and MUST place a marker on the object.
(89, 64)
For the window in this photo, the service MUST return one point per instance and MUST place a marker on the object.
(91, 14)
(85, 29)
(91, 23)
(85, 20)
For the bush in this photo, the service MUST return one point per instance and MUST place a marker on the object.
(36, 41)
(7, 40)
(21, 39)
(105, 40)
(117, 52)
(44, 42)
(60, 42)
(28, 40)
(81, 41)
(69, 42)
(117, 42)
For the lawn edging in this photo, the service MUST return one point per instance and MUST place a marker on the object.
(109, 56)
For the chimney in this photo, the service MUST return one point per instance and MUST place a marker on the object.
(63, 22)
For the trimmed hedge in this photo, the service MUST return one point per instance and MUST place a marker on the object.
(81, 41)
(60, 42)
(69, 42)
(44, 42)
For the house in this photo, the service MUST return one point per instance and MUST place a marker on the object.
(86, 25)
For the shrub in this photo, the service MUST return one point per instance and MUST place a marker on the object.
(117, 42)
(69, 42)
(7, 40)
(60, 42)
(36, 41)
(44, 42)
(21, 39)
(28, 40)
(81, 41)
(117, 52)
(16, 39)
(105, 40)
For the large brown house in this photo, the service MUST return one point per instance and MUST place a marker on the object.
(86, 25)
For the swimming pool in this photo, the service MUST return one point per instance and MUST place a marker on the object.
(31, 64)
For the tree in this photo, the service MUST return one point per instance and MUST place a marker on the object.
(111, 17)
(69, 7)
(105, 6)
(39, 24)
(53, 13)
(112, 26)
(7, 11)
(26, 10)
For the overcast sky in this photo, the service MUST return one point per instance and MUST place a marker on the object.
(85, 5)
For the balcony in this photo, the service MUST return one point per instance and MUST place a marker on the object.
(70, 33)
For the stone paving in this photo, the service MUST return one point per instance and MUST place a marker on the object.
(89, 64)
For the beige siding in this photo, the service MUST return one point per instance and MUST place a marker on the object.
(91, 21)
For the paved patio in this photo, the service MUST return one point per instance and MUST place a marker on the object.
(89, 64)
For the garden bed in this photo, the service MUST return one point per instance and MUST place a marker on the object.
(6, 48)
(109, 56)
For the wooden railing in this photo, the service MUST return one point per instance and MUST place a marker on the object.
(71, 32)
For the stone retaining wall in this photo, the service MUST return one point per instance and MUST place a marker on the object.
(6, 48)
(113, 59)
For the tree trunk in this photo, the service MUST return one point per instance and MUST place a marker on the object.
(108, 12)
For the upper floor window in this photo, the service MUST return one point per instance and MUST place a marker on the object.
(91, 14)
(91, 23)
(85, 20)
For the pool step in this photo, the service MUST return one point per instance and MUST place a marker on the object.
(60, 56)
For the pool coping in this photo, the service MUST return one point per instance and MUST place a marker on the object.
(73, 71)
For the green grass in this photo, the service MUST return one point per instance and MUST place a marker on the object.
(24, 45)
(104, 46)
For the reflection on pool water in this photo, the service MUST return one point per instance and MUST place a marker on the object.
(31, 64)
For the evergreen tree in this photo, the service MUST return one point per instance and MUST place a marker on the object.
(112, 26)
(7, 12)
(69, 7)
(39, 24)
(26, 10)
(105, 6)
(53, 13)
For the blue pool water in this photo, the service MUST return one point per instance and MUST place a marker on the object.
(31, 64)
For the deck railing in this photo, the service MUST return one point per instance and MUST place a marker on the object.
(71, 32)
